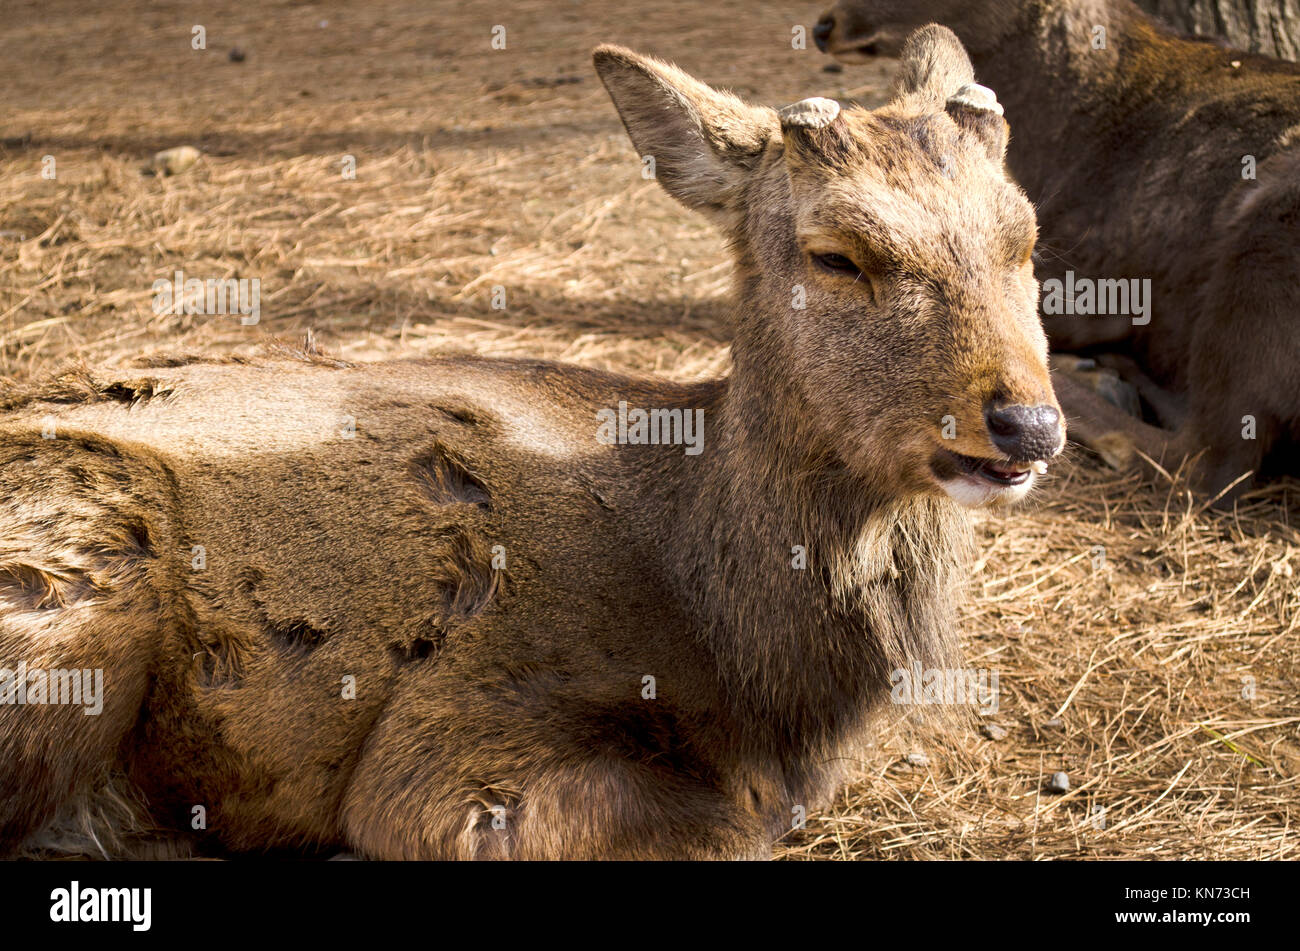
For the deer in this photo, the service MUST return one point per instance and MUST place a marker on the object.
(454, 607)
(1154, 157)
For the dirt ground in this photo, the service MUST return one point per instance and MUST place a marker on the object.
(1144, 646)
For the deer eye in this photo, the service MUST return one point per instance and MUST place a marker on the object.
(837, 264)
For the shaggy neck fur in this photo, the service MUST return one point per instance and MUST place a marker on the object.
(804, 654)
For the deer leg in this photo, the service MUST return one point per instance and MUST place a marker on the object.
(1120, 439)
(1169, 408)
(1235, 416)
(1244, 367)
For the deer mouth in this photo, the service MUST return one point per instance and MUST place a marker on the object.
(994, 470)
(972, 480)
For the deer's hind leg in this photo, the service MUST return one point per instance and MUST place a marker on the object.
(79, 561)
(1244, 360)
(1244, 371)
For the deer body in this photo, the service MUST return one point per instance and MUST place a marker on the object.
(370, 556)
(420, 610)
(1133, 143)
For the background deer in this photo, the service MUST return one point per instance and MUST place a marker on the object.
(1149, 156)
(420, 610)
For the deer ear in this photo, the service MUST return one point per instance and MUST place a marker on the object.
(933, 65)
(702, 142)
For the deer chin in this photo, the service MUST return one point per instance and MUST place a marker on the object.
(973, 481)
(865, 50)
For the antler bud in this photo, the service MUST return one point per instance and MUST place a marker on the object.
(815, 113)
(974, 96)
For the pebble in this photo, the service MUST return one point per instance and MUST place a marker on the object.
(174, 161)
(993, 731)
(1059, 783)
(918, 759)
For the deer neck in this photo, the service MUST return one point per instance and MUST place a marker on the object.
(809, 586)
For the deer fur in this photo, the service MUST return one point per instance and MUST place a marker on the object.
(231, 539)
(1133, 154)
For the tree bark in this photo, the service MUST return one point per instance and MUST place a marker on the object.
(1271, 27)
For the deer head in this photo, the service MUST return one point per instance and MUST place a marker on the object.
(856, 31)
(888, 310)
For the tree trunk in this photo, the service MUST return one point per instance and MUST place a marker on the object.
(1271, 27)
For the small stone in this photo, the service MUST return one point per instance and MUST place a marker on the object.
(1053, 724)
(1059, 783)
(918, 759)
(237, 55)
(174, 161)
(993, 731)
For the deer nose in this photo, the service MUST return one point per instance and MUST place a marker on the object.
(822, 31)
(1025, 433)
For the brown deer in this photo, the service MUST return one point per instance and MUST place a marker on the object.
(473, 608)
(1149, 156)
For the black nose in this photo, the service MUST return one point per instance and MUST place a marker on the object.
(1025, 433)
(822, 31)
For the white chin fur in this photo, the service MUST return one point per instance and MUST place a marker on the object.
(972, 492)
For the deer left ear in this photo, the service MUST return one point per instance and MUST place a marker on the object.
(976, 110)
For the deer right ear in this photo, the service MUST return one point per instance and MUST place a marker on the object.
(702, 142)
(935, 68)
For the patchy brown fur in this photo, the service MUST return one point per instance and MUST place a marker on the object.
(349, 517)
(1133, 155)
